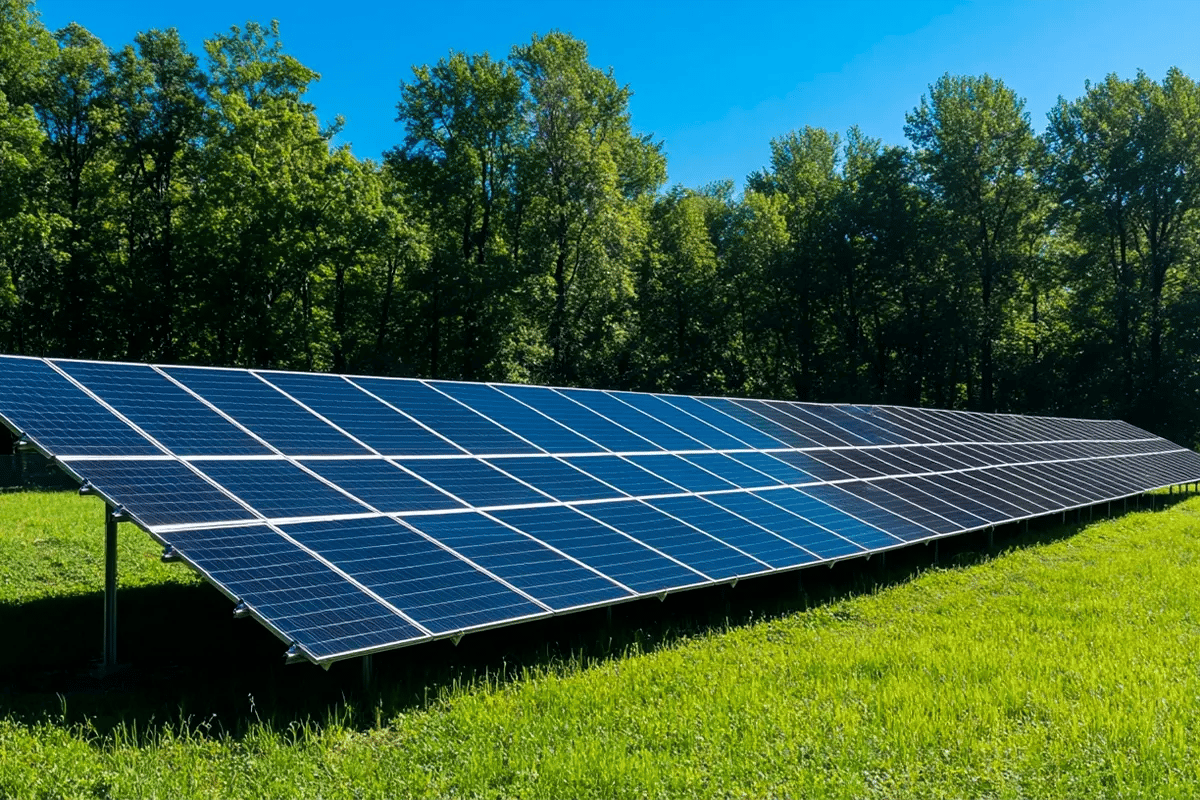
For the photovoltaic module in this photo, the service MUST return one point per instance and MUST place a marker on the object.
(352, 515)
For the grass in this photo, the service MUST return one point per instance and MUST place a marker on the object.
(1064, 664)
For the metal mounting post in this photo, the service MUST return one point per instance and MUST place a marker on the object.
(110, 588)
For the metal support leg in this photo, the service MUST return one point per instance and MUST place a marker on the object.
(110, 589)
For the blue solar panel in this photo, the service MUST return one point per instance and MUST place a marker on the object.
(518, 418)
(634, 420)
(59, 416)
(898, 505)
(625, 476)
(742, 412)
(383, 485)
(466, 428)
(961, 517)
(260, 408)
(820, 469)
(278, 489)
(855, 424)
(682, 473)
(835, 434)
(682, 542)
(732, 529)
(760, 507)
(699, 430)
(162, 492)
(808, 434)
(954, 496)
(510, 503)
(828, 517)
(369, 420)
(868, 512)
(432, 586)
(769, 465)
(182, 423)
(293, 591)
(557, 479)
(530, 566)
(580, 419)
(474, 481)
(601, 548)
(751, 435)
(732, 470)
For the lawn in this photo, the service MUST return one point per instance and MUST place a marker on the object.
(1063, 663)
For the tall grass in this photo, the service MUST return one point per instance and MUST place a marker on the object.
(1067, 667)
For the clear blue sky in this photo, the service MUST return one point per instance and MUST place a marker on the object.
(714, 80)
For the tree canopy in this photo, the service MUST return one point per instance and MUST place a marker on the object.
(166, 205)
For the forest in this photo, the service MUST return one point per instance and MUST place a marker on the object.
(170, 206)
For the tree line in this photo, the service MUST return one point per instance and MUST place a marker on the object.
(162, 205)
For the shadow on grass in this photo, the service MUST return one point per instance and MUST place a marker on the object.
(185, 660)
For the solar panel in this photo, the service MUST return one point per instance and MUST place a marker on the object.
(352, 515)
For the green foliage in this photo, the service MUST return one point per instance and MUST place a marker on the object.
(176, 207)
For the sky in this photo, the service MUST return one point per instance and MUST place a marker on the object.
(714, 81)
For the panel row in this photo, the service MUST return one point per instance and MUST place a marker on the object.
(339, 586)
(161, 493)
(202, 411)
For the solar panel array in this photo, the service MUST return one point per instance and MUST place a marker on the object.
(353, 514)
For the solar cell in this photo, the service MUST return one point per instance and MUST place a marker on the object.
(383, 485)
(674, 416)
(369, 420)
(740, 532)
(429, 584)
(518, 417)
(278, 489)
(557, 479)
(532, 567)
(580, 419)
(696, 549)
(769, 465)
(869, 512)
(749, 416)
(162, 492)
(682, 473)
(805, 435)
(630, 418)
(624, 475)
(602, 548)
(730, 469)
(56, 414)
(821, 513)
(437, 411)
(293, 592)
(748, 434)
(263, 409)
(476, 482)
(766, 507)
(183, 424)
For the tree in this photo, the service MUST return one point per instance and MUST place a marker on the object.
(159, 95)
(463, 132)
(1126, 170)
(585, 180)
(978, 155)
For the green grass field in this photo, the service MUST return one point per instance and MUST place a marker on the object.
(1063, 664)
